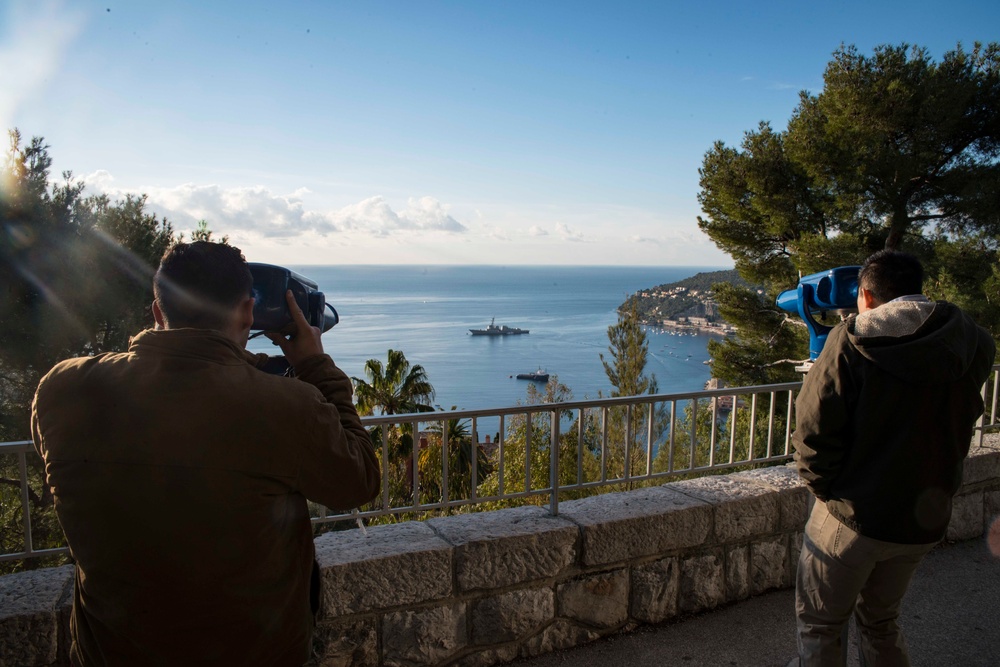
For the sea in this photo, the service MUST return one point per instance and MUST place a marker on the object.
(427, 312)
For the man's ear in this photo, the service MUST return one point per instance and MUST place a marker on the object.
(246, 313)
(868, 298)
(158, 316)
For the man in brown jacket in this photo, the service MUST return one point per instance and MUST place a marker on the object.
(181, 472)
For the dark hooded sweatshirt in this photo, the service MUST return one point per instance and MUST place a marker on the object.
(885, 417)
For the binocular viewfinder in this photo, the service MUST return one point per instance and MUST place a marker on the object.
(835, 290)
(270, 310)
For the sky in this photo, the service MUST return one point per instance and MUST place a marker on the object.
(422, 132)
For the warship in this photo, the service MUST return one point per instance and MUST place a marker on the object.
(494, 330)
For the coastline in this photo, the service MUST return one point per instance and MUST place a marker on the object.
(684, 326)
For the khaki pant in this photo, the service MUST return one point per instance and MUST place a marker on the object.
(840, 572)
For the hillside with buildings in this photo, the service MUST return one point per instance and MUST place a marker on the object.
(685, 304)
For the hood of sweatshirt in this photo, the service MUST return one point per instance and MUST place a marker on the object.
(918, 341)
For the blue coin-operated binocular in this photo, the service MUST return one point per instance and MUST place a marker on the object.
(835, 290)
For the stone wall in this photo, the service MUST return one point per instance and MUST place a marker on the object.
(480, 589)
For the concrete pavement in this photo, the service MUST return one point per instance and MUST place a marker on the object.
(951, 618)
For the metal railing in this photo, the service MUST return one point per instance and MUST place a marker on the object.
(584, 446)
(547, 452)
(22, 450)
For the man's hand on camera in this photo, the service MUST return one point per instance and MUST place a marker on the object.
(304, 342)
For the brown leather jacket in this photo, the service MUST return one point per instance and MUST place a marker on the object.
(180, 474)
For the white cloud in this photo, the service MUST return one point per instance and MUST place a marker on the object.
(429, 213)
(32, 48)
(536, 230)
(377, 216)
(257, 210)
(373, 214)
(567, 234)
(645, 239)
(253, 209)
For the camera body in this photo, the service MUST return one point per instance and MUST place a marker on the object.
(833, 291)
(270, 310)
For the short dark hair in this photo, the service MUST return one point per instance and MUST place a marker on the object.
(198, 284)
(890, 274)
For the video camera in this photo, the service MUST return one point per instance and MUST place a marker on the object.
(832, 291)
(270, 309)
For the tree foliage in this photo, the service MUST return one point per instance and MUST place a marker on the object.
(394, 387)
(75, 280)
(628, 348)
(527, 451)
(76, 270)
(628, 427)
(897, 151)
(455, 437)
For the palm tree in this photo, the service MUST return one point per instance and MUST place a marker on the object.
(393, 389)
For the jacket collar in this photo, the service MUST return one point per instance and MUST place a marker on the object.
(206, 344)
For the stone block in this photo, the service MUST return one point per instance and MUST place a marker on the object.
(768, 565)
(982, 464)
(394, 565)
(599, 600)
(351, 644)
(738, 573)
(646, 522)
(702, 584)
(653, 596)
(513, 615)
(743, 509)
(425, 636)
(508, 547)
(793, 494)
(966, 517)
(30, 611)
(562, 634)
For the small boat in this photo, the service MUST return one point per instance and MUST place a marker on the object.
(537, 376)
(494, 330)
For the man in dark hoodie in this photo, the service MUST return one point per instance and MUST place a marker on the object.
(884, 419)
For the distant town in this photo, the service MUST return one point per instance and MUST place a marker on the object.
(686, 305)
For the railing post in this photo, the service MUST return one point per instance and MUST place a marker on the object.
(649, 438)
(385, 468)
(788, 422)
(981, 424)
(445, 458)
(415, 449)
(527, 451)
(670, 443)
(501, 441)
(628, 443)
(712, 433)
(22, 462)
(474, 463)
(554, 464)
